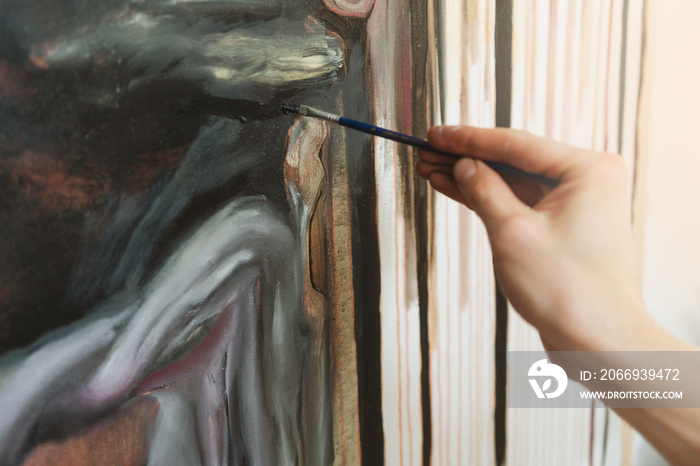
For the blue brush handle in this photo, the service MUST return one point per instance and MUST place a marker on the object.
(423, 144)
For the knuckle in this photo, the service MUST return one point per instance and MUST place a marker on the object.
(507, 137)
(515, 140)
(605, 165)
(613, 165)
(618, 163)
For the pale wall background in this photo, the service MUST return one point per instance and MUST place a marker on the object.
(669, 188)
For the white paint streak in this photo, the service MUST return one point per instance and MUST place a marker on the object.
(461, 316)
(388, 29)
(566, 85)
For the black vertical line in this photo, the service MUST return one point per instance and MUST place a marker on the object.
(366, 283)
(422, 250)
(501, 345)
(504, 61)
(441, 62)
(503, 45)
(421, 102)
(366, 275)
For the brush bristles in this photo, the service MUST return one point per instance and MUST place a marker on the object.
(287, 109)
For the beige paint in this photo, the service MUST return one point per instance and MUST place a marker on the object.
(671, 96)
(461, 281)
(670, 214)
(567, 83)
(389, 37)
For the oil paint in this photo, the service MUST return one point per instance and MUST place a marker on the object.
(190, 276)
(168, 259)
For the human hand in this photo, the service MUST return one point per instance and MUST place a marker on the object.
(563, 256)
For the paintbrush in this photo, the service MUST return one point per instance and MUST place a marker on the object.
(305, 110)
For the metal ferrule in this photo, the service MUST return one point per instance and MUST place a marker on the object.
(316, 113)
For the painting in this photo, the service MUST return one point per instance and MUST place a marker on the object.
(188, 275)
(177, 279)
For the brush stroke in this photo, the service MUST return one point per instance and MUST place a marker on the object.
(190, 274)
(238, 63)
(242, 262)
(116, 95)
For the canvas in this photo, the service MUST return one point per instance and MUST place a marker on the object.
(172, 259)
(190, 276)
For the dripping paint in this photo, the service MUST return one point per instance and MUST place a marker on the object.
(165, 275)
(189, 276)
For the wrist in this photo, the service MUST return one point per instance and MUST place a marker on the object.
(616, 323)
(631, 329)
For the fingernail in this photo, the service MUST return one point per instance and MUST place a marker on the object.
(465, 169)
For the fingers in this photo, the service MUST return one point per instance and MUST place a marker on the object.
(446, 184)
(477, 186)
(517, 148)
(436, 159)
(486, 193)
(424, 169)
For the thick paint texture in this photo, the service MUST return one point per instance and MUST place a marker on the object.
(155, 253)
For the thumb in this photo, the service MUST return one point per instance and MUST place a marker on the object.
(486, 193)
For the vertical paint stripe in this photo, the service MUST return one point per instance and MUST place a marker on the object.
(421, 95)
(504, 73)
